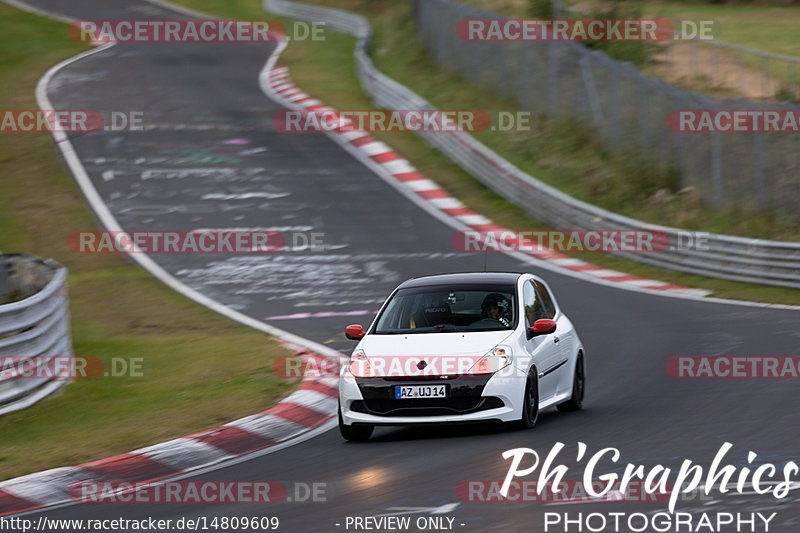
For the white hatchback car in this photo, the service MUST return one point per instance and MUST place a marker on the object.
(462, 348)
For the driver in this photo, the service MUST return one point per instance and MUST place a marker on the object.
(496, 306)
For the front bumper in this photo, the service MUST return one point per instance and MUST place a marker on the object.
(470, 399)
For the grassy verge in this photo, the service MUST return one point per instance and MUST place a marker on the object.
(319, 69)
(770, 28)
(767, 26)
(199, 369)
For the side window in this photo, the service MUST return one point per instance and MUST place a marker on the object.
(546, 299)
(533, 305)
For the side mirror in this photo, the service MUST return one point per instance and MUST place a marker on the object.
(543, 326)
(354, 332)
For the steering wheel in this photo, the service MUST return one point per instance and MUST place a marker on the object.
(504, 312)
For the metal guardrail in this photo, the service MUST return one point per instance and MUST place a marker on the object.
(33, 332)
(759, 261)
(627, 112)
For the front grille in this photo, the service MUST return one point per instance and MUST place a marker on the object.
(426, 406)
(464, 395)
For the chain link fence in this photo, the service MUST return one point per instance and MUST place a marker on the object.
(719, 65)
(626, 110)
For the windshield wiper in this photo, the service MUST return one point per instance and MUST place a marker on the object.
(439, 328)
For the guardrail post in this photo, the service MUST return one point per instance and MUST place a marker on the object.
(716, 168)
(613, 105)
(758, 146)
(552, 81)
(644, 118)
(740, 72)
(4, 288)
(501, 67)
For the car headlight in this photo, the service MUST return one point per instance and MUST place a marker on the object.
(498, 357)
(359, 365)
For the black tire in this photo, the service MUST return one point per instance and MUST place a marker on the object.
(354, 433)
(575, 403)
(530, 401)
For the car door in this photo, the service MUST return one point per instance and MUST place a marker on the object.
(544, 348)
(563, 338)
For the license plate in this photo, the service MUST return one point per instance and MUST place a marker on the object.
(403, 392)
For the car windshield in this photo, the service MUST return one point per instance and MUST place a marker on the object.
(442, 309)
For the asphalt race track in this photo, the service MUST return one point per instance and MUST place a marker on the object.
(211, 158)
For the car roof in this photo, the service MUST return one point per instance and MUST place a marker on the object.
(462, 278)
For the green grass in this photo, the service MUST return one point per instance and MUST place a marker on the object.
(200, 369)
(325, 70)
(766, 26)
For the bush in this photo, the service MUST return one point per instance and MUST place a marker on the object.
(540, 9)
(638, 52)
(787, 93)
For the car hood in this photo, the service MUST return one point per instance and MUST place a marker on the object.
(442, 353)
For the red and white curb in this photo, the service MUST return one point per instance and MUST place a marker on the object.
(301, 415)
(276, 82)
(311, 405)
